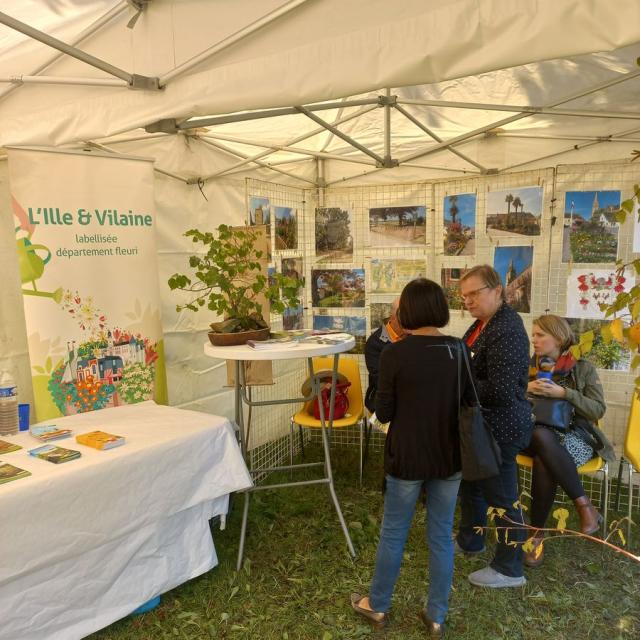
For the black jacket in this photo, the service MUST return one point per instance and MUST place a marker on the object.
(418, 395)
(500, 361)
(376, 342)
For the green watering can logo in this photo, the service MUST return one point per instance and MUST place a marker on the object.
(32, 259)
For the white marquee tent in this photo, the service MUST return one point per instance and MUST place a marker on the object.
(311, 94)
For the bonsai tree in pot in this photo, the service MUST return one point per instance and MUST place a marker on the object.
(228, 278)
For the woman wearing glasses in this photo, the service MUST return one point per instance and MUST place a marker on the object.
(500, 358)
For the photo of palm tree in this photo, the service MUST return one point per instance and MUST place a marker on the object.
(460, 224)
(514, 212)
(397, 226)
(337, 287)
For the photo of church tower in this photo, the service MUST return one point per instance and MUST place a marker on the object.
(514, 264)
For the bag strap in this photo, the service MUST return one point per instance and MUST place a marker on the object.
(461, 347)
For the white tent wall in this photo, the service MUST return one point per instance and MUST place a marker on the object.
(14, 352)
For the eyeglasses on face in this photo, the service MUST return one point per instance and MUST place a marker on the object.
(472, 295)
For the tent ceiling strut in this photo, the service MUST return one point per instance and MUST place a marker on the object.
(134, 80)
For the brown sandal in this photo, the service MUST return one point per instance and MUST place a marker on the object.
(377, 618)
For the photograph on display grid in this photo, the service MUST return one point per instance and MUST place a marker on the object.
(379, 312)
(397, 226)
(286, 228)
(460, 224)
(514, 265)
(587, 289)
(612, 355)
(514, 212)
(337, 287)
(450, 279)
(259, 211)
(355, 325)
(590, 229)
(390, 275)
(293, 318)
(334, 234)
(293, 268)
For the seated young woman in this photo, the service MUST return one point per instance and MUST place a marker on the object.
(418, 393)
(557, 453)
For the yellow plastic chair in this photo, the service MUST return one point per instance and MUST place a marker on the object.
(595, 465)
(632, 451)
(349, 368)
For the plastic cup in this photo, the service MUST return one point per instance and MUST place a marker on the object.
(23, 417)
(544, 375)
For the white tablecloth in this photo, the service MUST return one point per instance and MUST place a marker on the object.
(84, 543)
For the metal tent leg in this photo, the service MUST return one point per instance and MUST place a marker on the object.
(243, 530)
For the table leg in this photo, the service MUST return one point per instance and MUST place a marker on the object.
(243, 529)
(325, 444)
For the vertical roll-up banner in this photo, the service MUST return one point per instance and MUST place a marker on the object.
(85, 239)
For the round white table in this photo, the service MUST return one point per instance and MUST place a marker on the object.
(243, 353)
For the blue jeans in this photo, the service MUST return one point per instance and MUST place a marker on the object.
(399, 504)
(500, 491)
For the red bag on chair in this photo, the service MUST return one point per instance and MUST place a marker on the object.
(341, 404)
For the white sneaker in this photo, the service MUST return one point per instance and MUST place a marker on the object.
(489, 577)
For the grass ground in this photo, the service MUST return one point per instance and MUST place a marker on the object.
(298, 576)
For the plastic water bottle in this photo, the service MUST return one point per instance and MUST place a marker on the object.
(8, 406)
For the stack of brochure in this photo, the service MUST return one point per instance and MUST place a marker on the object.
(8, 447)
(285, 340)
(54, 454)
(49, 432)
(8, 473)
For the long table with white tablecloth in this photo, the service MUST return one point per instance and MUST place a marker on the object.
(84, 543)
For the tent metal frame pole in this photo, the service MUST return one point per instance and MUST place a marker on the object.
(387, 127)
(339, 134)
(133, 80)
(271, 113)
(234, 38)
(437, 138)
(157, 169)
(238, 154)
(243, 170)
(575, 147)
(295, 140)
(89, 82)
(287, 149)
(83, 35)
(547, 111)
(519, 116)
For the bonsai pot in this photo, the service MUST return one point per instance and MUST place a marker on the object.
(240, 337)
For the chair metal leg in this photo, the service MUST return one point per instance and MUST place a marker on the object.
(361, 448)
(619, 486)
(605, 473)
(367, 436)
(301, 440)
(291, 447)
(630, 509)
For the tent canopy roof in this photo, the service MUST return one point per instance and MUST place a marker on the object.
(474, 85)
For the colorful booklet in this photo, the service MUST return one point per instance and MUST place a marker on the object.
(54, 454)
(100, 440)
(8, 447)
(8, 473)
(48, 432)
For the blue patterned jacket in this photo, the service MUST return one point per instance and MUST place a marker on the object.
(500, 361)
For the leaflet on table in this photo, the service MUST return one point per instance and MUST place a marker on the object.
(54, 454)
(8, 447)
(8, 473)
(48, 432)
(100, 440)
(294, 338)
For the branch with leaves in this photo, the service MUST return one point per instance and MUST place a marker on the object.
(230, 276)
